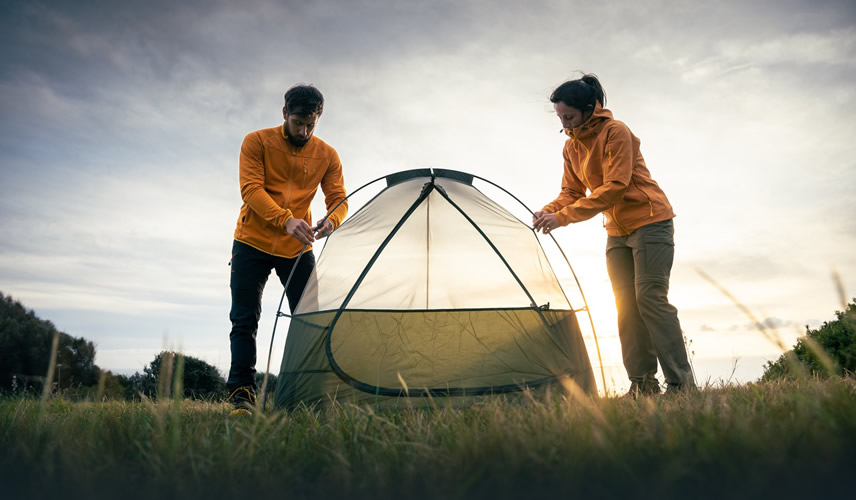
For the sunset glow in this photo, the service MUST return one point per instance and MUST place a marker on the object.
(122, 125)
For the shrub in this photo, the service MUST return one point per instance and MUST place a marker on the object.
(829, 350)
(200, 380)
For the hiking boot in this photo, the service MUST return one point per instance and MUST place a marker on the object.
(640, 389)
(244, 400)
(674, 389)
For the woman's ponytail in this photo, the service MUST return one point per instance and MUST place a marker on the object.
(591, 80)
(581, 93)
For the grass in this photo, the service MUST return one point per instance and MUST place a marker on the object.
(783, 439)
(792, 438)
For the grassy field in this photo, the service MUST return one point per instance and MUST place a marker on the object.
(785, 439)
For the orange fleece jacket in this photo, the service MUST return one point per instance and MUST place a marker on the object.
(278, 182)
(602, 156)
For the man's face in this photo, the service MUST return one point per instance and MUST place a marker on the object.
(570, 117)
(300, 127)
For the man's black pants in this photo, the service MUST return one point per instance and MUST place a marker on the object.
(250, 271)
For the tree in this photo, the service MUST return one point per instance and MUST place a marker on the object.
(200, 380)
(829, 350)
(25, 350)
(137, 385)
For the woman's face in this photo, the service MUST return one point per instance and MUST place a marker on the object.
(569, 116)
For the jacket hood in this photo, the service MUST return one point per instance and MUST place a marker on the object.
(597, 118)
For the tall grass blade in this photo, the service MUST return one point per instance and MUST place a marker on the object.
(403, 383)
(102, 382)
(773, 336)
(839, 287)
(178, 378)
(826, 361)
(165, 375)
(48, 387)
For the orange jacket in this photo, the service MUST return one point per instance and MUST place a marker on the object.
(602, 156)
(278, 182)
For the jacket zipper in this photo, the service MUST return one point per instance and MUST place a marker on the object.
(289, 181)
(615, 219)
(584, 164)
(290, 178)
(647, 198)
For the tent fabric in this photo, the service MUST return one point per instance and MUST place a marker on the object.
(430, 289)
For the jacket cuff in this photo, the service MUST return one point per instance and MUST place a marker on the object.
(286, 217)
(563, 217)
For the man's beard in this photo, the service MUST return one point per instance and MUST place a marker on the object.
(298, 142)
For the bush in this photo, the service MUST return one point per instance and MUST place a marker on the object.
(113, 387)
(272, 379)
(200, 380)
(829, 350)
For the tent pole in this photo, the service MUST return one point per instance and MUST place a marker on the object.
(427, 188)
(276, 320)
(579, 287)
(495, 250)
(288, 281)
(499, 254)
(588, 311)
(427, 251)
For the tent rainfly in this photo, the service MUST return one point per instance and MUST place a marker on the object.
(430, 289)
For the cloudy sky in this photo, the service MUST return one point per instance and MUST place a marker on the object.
(121, 126)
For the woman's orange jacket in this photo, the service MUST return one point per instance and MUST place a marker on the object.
(278, 182)
(602, 156)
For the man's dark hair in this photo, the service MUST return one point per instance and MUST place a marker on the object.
(581, 93)
(304, 100)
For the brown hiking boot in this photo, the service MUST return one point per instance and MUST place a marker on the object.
(641, 389)
(675, 389)
(244, 400)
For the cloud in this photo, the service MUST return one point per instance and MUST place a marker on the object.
(121, 127)
(772, 323)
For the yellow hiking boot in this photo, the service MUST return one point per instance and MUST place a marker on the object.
(244, 400)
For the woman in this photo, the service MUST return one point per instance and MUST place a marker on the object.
(602, 158)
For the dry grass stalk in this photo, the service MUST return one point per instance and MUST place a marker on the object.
(773, 334)
(46, 392)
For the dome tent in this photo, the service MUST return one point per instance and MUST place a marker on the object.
(430, 289)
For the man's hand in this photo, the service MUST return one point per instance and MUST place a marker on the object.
(324, 229)
(300, 230)
(544, 221)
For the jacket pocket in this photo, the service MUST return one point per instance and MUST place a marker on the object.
(313, 172)
(242, 220)
(659, 239)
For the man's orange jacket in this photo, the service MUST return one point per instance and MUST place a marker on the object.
(278, 182)
(602, 156)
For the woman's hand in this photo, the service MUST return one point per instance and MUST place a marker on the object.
(544, 221)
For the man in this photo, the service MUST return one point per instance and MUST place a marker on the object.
(280, 171)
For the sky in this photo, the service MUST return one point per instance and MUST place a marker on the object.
(121, 126)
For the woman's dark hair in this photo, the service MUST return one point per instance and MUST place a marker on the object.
(581, 93)
(304, 100)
